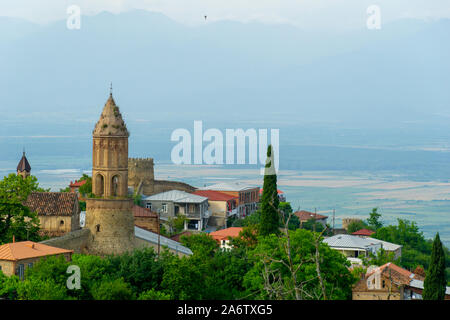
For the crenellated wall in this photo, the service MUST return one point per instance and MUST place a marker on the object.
(141, 177)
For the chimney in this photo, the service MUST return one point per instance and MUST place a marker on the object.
(14, 238)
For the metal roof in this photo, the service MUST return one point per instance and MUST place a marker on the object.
(164, 242)
(176, 196)
(229, 186)
(385, 245)
(348, 241)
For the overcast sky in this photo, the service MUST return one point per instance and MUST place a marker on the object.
(314, 14)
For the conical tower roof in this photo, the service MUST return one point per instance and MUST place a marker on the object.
(23, 164)
(110, 123)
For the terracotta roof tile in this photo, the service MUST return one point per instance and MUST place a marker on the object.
(77, 183)
(224, 234)
(52, 203)
(214, 195)
(306, 215)
(28, 249)
(363, 232)
(143, 212)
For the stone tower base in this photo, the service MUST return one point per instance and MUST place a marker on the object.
(111, 226)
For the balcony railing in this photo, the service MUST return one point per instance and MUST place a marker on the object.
(196, 215)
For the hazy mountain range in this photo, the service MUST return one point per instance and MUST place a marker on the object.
(162, 68)
(341, 91)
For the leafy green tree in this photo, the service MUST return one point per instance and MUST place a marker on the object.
(356, 225)
(269, 201)
(8, 287)
(200, 244)
(251, 220)
(86, 188)
(183, 279)
(380, 258)
(112, 289)
(16, 189)
(140, 268)
(285, 210)
(93, 269)
(285, 268)
(152, 294)
(374, 221)
(313, 225)
(46, 280)
(40, 289)
(435, 282)
(15, 218)
(82, 205)
(18, 221)
(176, 224)
(137, 199)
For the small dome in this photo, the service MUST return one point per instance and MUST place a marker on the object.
(110, 123)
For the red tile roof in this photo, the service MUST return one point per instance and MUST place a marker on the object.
(28, 249)
(77, 183)
(224, 234)
(306, 215)
(278, 191)
(52, 203)
(398, 274)
(214, 195)
(363, 232)
(143, 212)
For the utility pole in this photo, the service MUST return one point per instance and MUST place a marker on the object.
(334, 212)
(159, 231)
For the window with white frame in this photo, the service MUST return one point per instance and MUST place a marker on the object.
(148, 205)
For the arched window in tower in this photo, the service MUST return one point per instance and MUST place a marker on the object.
(99, 185)
(115, 186)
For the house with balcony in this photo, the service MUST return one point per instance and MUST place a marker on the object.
(247, 196)
(175, 203)
(222, 206)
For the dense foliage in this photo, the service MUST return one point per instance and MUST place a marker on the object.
(16, 219)
(435, 282)
(269, 200)
(210, 273)
(416, 250)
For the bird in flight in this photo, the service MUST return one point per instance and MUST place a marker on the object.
(206, 17)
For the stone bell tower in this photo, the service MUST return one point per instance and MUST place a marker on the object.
(109, 214)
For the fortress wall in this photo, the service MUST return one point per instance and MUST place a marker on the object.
(163, 185)
(77, 241)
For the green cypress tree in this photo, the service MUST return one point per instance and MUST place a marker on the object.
(435, 282)
(269, 222)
